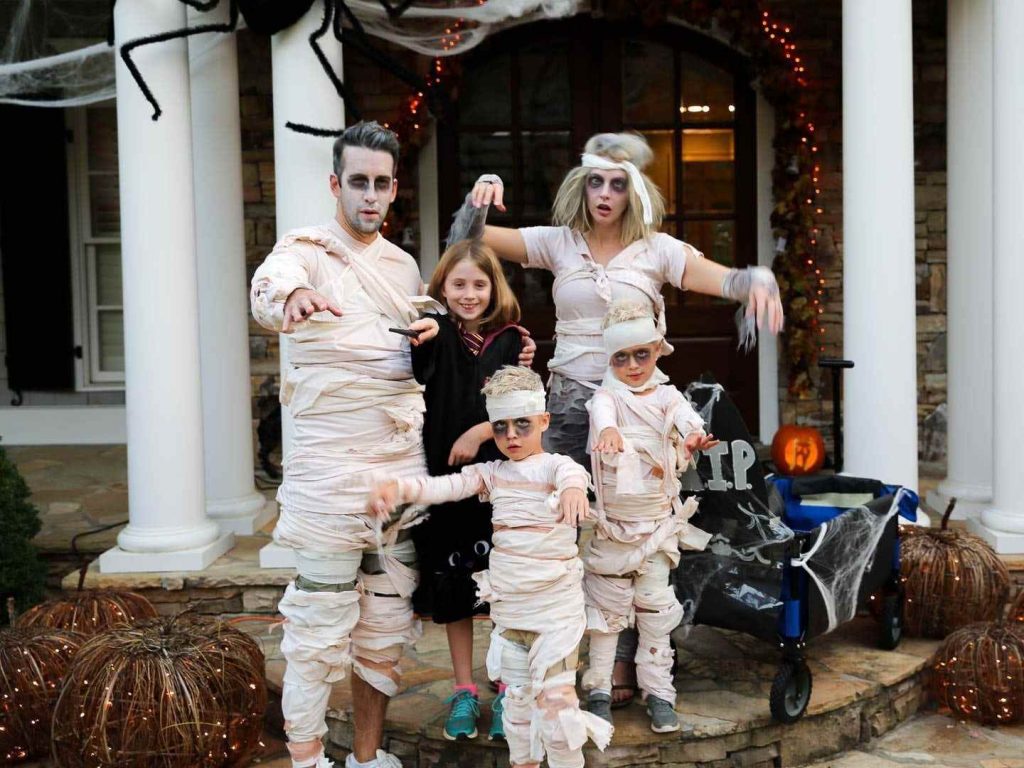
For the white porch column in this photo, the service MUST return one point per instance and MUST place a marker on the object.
(302, 164)
(879, 327)
(1002, 525)
(969, 259)
(231, 497)
(168, 528)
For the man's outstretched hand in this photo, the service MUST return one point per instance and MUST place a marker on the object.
(303, 302)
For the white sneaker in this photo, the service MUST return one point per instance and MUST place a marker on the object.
(383, 760)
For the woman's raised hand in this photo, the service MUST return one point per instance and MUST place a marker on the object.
(488, 190)
(765, 305)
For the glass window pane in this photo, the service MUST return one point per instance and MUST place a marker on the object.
(108, 275)
(545, 161)
(111, 337)
(104, 205)
(487, 153)
(544, 98)
(708, 169)
(101, 128)
(707, 91)
(647, 82)
(662, 169)
(716, 239)
(532, 288)
(483, 93)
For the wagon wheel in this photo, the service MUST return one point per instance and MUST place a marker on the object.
(791, 691)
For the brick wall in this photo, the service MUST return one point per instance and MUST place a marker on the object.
(817, 26)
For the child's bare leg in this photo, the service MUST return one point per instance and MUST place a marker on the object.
(624, 671)
(460, 645)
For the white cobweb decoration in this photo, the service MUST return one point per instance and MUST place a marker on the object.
(55, 52)
(842, 551)
(54, 55)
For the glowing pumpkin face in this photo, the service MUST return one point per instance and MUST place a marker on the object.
(798, 450)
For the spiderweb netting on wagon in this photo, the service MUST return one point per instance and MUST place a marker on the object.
(740, 581)
(737, 582)
(840, 554)
(55, 52)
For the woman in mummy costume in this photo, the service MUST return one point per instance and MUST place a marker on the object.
(605, 246)
(534, 580)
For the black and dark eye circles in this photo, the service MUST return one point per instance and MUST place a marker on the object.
(619, 185)
(499, 427)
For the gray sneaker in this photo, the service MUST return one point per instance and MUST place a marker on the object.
(663, 715)
(600, 704)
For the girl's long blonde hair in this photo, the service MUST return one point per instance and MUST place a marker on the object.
(504, 308)
(570, 206)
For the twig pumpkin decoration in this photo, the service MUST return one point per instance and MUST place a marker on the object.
(166, 693)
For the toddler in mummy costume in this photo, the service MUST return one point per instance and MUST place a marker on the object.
(643, 433)
(534, 582)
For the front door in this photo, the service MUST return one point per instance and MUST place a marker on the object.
(529, 99)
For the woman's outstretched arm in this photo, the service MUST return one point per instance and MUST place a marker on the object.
(754, 286)
(469, 221)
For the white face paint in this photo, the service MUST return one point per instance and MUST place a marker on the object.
(365, 191)
(607, 195)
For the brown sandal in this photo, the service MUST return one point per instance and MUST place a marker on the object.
(633, 690)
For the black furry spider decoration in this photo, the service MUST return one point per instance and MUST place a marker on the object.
(267, 17)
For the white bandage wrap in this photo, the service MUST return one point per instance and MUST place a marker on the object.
(515, 405)
(316, 646)
(630, 333)
(386, 627)
(544, 718)
(635, 178)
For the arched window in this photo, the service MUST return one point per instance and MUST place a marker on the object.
(530, 98)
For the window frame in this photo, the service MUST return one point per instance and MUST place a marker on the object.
(89, 376)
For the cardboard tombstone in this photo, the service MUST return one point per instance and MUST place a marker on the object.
(737, 582)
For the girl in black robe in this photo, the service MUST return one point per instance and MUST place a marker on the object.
(476, 338)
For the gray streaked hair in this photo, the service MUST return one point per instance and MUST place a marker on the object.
(368, 134)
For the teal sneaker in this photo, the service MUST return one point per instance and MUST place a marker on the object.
(497, 732)
(461, 722)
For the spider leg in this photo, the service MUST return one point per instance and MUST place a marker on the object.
(339, 86)
(177, 34)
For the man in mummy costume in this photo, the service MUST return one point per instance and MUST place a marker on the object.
(643, 435)
(336, 289)
(534, 582)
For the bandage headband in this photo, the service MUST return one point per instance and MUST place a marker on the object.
(634, 333)
(635, 178)
(515, 405)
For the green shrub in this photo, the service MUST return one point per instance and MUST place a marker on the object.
(22, 573)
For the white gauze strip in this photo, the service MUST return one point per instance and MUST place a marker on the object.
(515, 405)
(630, 333)
(635, 178)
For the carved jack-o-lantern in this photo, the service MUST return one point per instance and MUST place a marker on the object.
(798, 450)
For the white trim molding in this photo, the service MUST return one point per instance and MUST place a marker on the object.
(63, 425)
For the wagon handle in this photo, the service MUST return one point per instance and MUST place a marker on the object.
(836, 365)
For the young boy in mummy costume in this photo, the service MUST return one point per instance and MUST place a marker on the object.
(643, 435)
(534, 583)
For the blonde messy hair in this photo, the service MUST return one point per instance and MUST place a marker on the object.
(621, 311)
(513, 378)
(570, 207)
